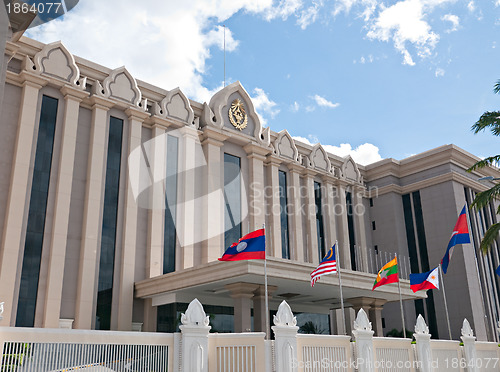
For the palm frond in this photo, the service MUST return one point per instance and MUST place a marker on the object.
(483, 198)
(491, 160)
(496, 88)
(489, 237)
(491, 120)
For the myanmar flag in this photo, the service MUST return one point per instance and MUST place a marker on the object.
(387, 274)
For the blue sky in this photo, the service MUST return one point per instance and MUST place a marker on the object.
(394, 77)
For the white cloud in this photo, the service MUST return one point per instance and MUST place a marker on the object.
(367, 7)
(497, 3)
(309, 15)
(263, 105)
(455, 21)
(405, 22)
(471, 6)
(439, 72)
(323, 102)
(295, 107)
(364, 154)
(166, 43)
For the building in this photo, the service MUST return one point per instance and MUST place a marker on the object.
(120, 197)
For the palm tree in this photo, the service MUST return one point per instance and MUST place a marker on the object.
(489, 120)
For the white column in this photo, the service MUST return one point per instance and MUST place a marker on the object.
(242, 294)
(57, 250)
(423, 345)
(92, 213)
(358, 210)
(469, 347)
(285, 339)
(213, 204)
(186, 212)
(363, 335)
(256, 206)
(296, 214)
(342, 227)
(194, 329)
(259, 306)
(273, 229)
(129, 240)
(154, 255)
(328, 212)
(312, 231)
(17, 200)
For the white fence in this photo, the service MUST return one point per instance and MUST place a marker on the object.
(196, 350)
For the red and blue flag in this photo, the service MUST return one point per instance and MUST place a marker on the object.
(325, 267)
(250, 247)
(423, 281)
(460, 235)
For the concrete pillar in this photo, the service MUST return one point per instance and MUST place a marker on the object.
(256, 205)
(92, 214)
(364, 303)
(129, 240)
(375, 316)
(273, 228)
(150, 316)
(154, 254)
(329, 212)
(363, 335)
(213, 205)
(359, 225)
(16, 201)
(259, 306)
(242, 294)
(423, 345)
(342, 227)
(194, 331)
(186, 212)
(57, 250)
(296, 214)
(312, 231)
(285, 339)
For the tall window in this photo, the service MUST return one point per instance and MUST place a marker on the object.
(285, 246)
(169, 233)
(350, 226)
(232, 199)
(319, 221)
(109, 225)
(36, 216)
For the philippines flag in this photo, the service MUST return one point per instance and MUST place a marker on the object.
(325, 267)
(460, 235)
(428, 280)
(251, 247)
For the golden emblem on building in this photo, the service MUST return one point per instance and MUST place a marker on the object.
(237, 114)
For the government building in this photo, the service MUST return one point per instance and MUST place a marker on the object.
(117, 198)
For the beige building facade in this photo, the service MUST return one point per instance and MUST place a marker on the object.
(119, 197)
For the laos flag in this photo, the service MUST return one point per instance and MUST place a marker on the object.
(460, 235)
(251, 247)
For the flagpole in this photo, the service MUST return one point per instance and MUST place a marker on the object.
(340, 285)
(265, 285)
(445, 302)
(494, 333)
(401, 300)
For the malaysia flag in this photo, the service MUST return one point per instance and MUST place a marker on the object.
(460, 235)
(250, 247)
(423, 281)
(327, 266)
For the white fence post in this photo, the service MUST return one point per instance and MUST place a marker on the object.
(285, 336)
(363, 335)
(469, 346)
(423, 345)
(194, 330)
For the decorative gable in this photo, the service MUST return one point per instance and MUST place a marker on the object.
(56, 61)
(176, 105)
(121, 85)
(234, 110)
(350, 170)
(319, 158)
(285, 146)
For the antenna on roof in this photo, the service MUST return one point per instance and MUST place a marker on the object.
(224, 55)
